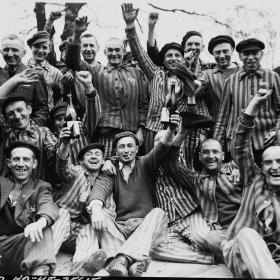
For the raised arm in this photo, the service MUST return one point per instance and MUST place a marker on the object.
(241, 142)
(145, 63)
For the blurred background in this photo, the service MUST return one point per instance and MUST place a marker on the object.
(239, 18)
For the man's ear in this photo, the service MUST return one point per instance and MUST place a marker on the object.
(29, 108)
(9, 163)
(35, 163)
(223, 156)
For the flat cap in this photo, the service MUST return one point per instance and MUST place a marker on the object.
(25, 144)
(219, 40)
(59, 109)
(39, 37)
(169, 46)
(90, 147)
(250, 44)
(11, 99)
(122, 135)
(191, 120)
(188, 35)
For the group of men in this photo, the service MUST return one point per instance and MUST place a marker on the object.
(202, 187)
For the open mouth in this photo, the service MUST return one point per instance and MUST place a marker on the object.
(93, 161)
(275, 175)
(21, 170)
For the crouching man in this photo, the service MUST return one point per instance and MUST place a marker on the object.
(252, 249)
(27, 211)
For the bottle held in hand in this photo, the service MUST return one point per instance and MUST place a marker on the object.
(72, 119)
(169, 105)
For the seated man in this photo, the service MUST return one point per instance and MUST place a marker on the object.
(253, 247)
(138, 224)
(27, 211)
(12, 50)
(216, 188)
(78, 181)
(18, 125)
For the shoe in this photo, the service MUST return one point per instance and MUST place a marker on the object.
(90, 265)
(118, 267)
(138, 268)
(42, 270)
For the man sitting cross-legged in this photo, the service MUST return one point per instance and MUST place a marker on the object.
(138, 225)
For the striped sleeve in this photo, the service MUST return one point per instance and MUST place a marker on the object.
(66, 169)
(145, 62)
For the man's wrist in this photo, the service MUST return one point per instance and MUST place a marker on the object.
(130, 25)
(94, 205)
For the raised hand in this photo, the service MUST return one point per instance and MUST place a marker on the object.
(54, 15)
(129, 14)
(153, 18)
(26, 77)
(86, 79)
(81, 25)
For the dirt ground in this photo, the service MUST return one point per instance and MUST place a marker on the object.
(159, 269)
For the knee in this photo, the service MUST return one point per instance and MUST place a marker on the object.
(64, 214)
(247, 235)
(158, 212)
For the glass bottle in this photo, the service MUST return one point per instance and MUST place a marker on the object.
(71, 118)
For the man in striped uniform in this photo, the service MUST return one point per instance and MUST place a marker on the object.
(40, 45)
(239, 89)
(122, 90)
(216, 188)
(76, 235)
(252, 249)
(160, 77)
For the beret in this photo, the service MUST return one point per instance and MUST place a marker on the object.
(59, 109)
(11, 99)
(122, 135)
(169, 46)
(191, 120)
(188, 35)
(41, 36)
(250, 44)
(90, 147)
(63, 45)
(218, 40)
(24, 144)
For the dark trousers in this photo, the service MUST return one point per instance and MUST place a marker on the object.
(20, 255)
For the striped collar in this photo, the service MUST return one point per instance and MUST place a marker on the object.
(243, 73)
(44, 64)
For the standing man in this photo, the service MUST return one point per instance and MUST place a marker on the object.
(252, 249)
(213, 80)
(27, 211)
(121, 89)
(40, 45)
(12, 50)
(89, 48)
(239, 89)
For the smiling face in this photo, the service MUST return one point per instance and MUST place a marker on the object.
(18, 114)
(114, 51)
(21, 164)
(40, 51)
(89, 48)
(251, 59)
(194, 44)
(59, 122)
(271, 166)
(92, 160)
(171, 56)
(222, 54)
(211, 155)
(126, 149)
(12, 51)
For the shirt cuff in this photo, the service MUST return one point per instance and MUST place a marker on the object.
(246, 119)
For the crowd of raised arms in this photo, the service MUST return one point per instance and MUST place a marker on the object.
(155, 155)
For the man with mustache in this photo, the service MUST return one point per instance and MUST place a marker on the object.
(252, 249)
(239, 89)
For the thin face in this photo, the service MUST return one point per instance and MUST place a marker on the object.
(18, 114)
(171, 56)
(222, 54)
(93, 159)
(194, 44)
(115, 52)
(59, 122)
(21, 164)
(271, 166)
(89, 48)
(251, 59)
(12, 51)
(40, 51)
(211, 155)
(126, 149)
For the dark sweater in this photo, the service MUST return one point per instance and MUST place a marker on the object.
(134, 199)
